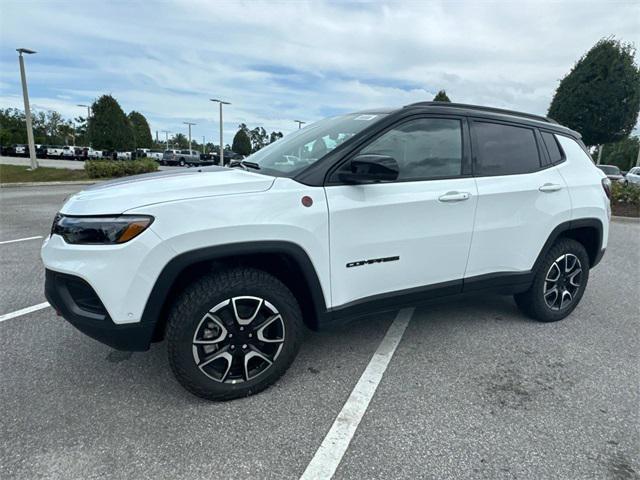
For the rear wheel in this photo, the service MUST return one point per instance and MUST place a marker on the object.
(233, 333)
(181, 162)
(558, 284)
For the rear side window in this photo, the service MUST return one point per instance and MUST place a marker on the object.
(555, 154)
(505, 149)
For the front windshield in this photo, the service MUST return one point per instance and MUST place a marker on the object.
(298, 150)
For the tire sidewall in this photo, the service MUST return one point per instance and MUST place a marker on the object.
(182, 328)
(565, 246)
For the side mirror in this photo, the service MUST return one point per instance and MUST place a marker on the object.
(369, 168)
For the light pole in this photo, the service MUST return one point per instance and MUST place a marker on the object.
(88, 115)
(166, 137)
(300, 123)
(221, 141)
(203, 145)
(88, 109)
(189, 123)
(27, 109)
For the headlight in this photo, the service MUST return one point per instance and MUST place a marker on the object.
(105, 230)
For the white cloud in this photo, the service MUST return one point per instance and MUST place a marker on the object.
(278, 61)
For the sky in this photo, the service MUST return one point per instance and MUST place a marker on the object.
(280, 61)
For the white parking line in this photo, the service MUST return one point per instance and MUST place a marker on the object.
(326, 460)
(21, 239)
(24, 311)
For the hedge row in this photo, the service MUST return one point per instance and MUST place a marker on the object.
(629, 193)
(118, 168)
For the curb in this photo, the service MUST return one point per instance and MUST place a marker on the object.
(616, 218)
(46, 184)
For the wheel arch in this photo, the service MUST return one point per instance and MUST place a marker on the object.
(587, 231)
(285, 260)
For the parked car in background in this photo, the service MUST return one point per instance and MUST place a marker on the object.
(7, 150)
(69, 153)
(20, 150)
(41, 151)
(54, 151)
(633, 176)
(123, 155)
(142, 152)
(93, 154)
(181, 157)
(169, 157)
(613, 173)
(155, 154)
(82, 153)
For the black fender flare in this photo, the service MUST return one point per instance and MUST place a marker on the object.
(174, 267)
(568, 226)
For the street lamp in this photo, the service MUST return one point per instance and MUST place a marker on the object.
(88, 109)
(300, 123)
(27, 109)
(166, 137)
(203, 145)
(221, 142)
(88, 115)
(189, 123)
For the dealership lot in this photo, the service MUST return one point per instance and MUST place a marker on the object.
(474, 390)
(53, 163)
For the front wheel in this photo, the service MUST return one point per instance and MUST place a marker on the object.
(559, 282)
(233, 333)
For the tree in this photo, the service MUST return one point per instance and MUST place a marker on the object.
(53, 122)
(258, 138)
(273, 136)
(39, 123)
(241, 143)
(13, 128)
(180, 141)
(623, 154)
(441, 96)
(66, 131)
(109, 127)
(600, 96)
(141, 130)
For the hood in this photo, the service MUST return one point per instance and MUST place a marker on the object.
(118, 196)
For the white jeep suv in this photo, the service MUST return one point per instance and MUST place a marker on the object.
(350, 215)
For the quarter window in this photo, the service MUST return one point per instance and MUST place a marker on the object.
(555, 154)
(505, 149)
(424, 148)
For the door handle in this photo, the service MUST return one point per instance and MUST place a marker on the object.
(550, 187)
(455, 197)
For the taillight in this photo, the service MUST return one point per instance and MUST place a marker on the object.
(606, 184)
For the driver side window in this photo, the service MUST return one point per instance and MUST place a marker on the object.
(424, 148)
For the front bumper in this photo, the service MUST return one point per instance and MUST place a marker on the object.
(77, 302)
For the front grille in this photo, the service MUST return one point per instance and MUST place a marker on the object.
(84, 296)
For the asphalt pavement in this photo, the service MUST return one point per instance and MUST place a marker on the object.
(474, 389)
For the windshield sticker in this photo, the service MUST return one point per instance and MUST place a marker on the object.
(365, 117)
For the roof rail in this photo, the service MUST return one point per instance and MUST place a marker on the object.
(484, 109)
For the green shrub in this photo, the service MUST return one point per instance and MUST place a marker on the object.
(629, 194)
(118, 168)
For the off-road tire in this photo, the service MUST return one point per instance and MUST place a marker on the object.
(198, 298)
(532, 302)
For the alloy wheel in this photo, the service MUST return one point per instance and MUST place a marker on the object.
(562, 282)
(238, 340)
